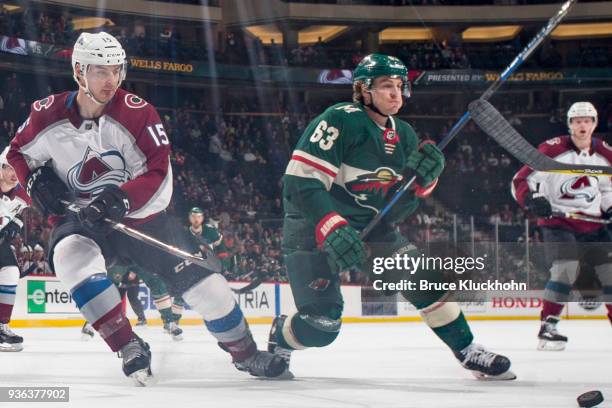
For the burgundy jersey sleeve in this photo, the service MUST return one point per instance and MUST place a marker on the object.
(143, 122)
(16, 159)
(25, 154)
(154, 144)
(19, 192)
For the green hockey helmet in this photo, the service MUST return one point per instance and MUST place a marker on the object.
(378, 65)
(196, 210)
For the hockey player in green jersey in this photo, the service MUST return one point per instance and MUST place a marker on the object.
(208, 235)
(340, 175)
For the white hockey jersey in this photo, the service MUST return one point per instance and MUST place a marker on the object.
(126, 146)
(589, 195)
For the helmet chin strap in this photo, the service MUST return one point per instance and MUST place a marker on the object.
(89, 93)
(373, 107)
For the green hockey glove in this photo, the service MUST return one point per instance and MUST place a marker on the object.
(336, 237)
(427, 163)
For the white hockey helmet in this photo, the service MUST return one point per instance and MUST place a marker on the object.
(581, 109)
(97, 49)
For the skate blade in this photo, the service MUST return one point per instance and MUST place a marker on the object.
(86, 337)
(285, 376)
(547, 345)
(142, 378)
(507, 376)
(177, 338)
(11, 348)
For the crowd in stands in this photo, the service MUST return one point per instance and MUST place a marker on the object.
(164, 41)
(230, 163)
(57, 28)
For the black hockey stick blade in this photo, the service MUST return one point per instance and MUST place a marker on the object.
(250, 286)
(497, 127)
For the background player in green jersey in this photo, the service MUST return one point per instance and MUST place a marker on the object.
(206, 234)
(342, 171)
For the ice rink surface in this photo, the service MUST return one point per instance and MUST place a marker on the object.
(370, 365)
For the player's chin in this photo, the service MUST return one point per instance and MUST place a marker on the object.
(394, 109)
(106, 96)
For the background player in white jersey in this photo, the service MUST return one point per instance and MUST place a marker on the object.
(567, 240)
(107, 150)
(13, 201)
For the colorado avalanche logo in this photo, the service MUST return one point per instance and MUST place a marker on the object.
(134, 102)
(580, 187)
(43, 103)
(96, 171)
(371, 189)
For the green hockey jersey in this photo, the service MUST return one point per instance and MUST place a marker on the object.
(210, 236)
(346, 162)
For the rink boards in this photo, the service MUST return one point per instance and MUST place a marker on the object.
(44, 301)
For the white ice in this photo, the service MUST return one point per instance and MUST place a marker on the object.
(370, 365)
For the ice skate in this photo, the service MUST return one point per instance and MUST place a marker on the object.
(9, 341)
(263, 364)
(484, 364)
(87, 332)
(174, 331)
(550, 339)
(136, 356)
(141, 322)
(275, 349)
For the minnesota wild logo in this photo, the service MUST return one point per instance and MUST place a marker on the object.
(370, 189)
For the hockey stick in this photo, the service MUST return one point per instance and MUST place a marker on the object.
(250, 286)
(518, 60)
(207, 261)
(257, 280)
(495, 125)
(581, 217)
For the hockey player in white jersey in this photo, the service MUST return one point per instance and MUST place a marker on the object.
(567, 240)
(13, 201)
(107, 151)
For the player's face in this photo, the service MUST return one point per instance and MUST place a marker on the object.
(387, 94)
(196, 220)
(103, 81)
(9, 176)
(582, 128)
